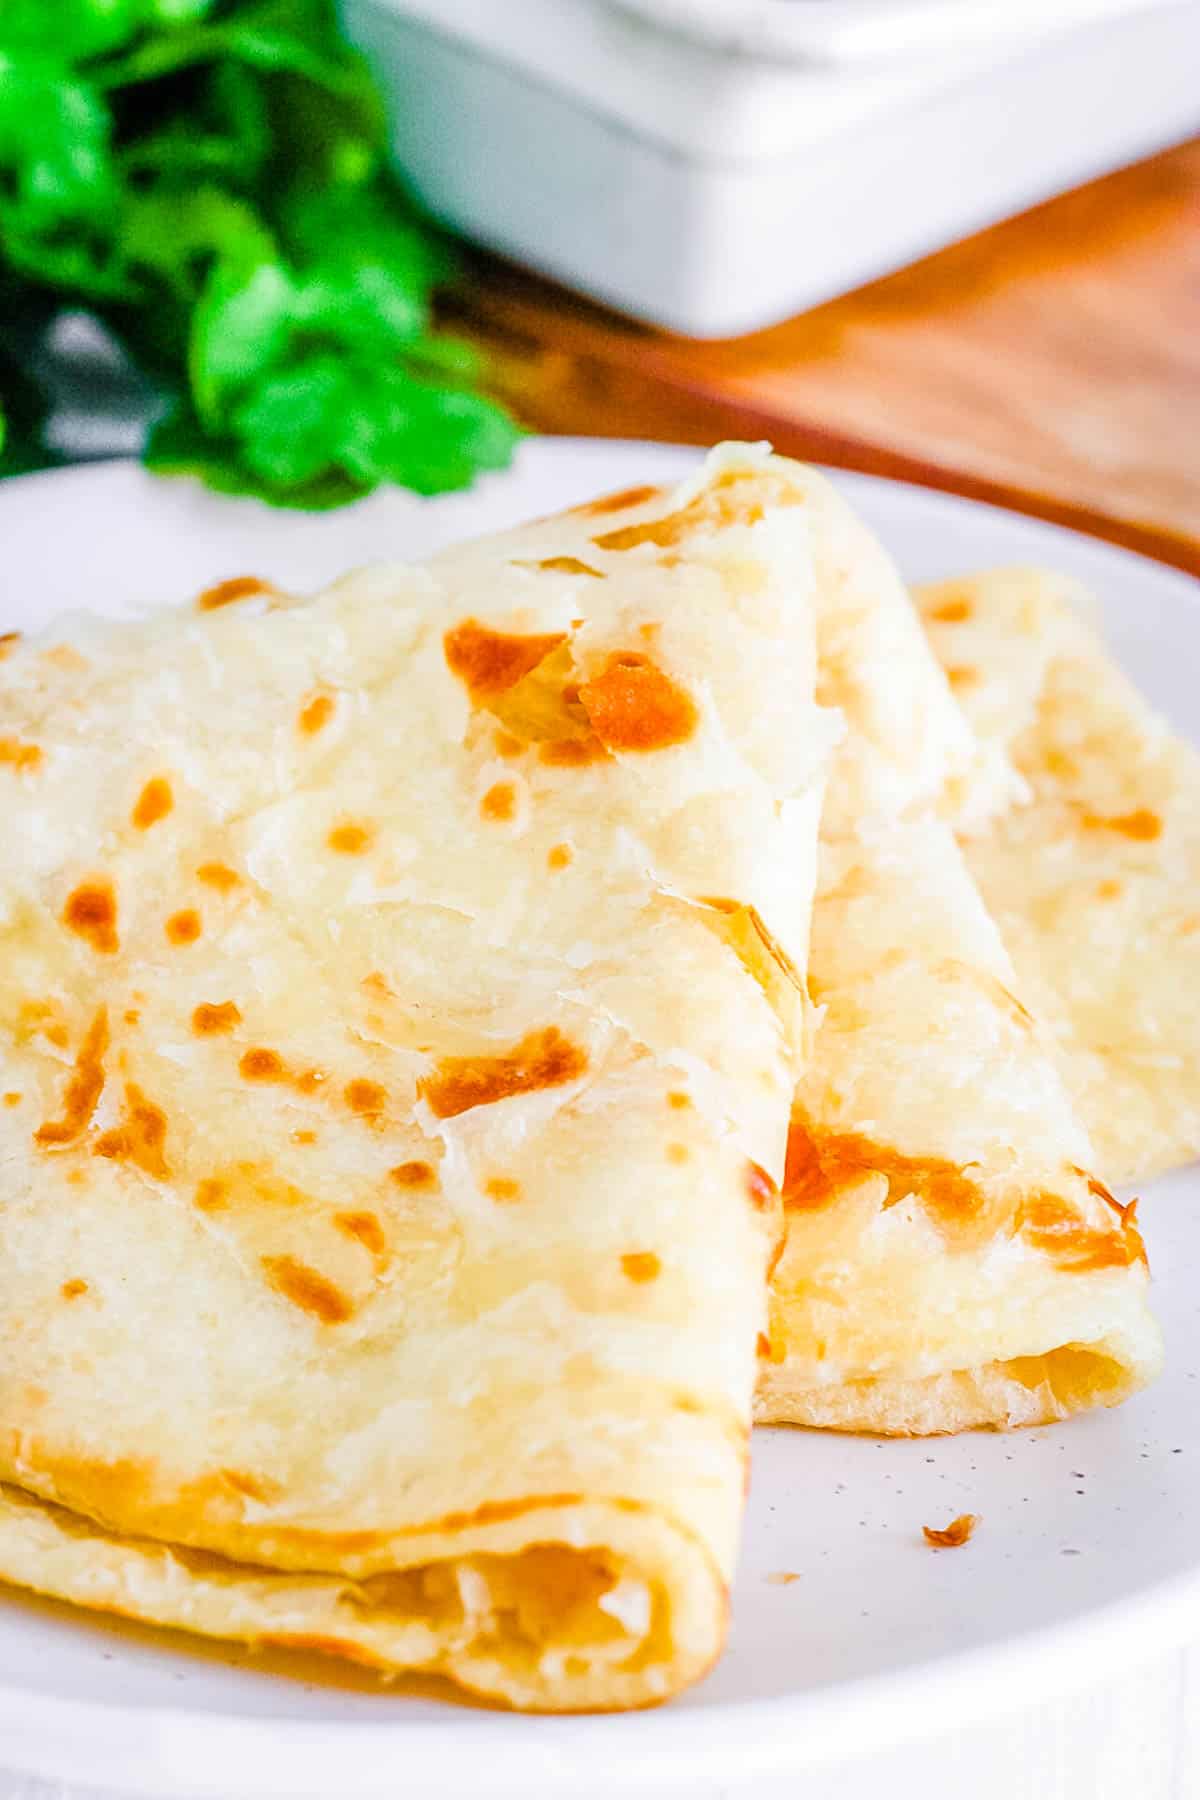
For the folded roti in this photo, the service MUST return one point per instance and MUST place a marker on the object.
(1095, 882)
(905, 1300)
(399, 1019)
(951, 1258)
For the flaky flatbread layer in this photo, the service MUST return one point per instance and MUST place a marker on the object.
(1095, 881)
(951, 1259)
(400, 1005)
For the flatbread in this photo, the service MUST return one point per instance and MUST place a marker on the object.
(1024, 1298)
(399, 1014)
(952, 1259)
(1095, 883)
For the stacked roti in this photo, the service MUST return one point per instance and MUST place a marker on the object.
(952, 1256)
(400, 1009)
(472, 1039)
(1095, 881)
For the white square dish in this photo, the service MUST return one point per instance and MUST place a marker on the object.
(714, 193)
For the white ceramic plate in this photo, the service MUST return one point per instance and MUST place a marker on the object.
(1089, 1552)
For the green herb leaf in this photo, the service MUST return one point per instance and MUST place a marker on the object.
(226, 132)
(54, 147)
(205, 174)
(68, 31)
(175, 235)
(373, 224)
(179, 445)
(244, 320)
(296, 37)
(373, 424)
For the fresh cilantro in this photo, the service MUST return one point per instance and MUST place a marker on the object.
(207, 177)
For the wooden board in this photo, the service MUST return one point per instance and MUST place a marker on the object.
(1051, 364)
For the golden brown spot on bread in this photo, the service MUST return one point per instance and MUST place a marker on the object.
(304, 1137)
(821, 1164)
(634, 706)
(15, 754)
(1052, 1225)
(262, 1065)
(217, 875)
(183, 927)
(762, 1344)
(560, 856)
(315, 714)
(543, 1059)
(507, 746)
(760, 1188)
(213, 1020)
(7, 640)
(212, 1193)
(66, 656)
(954, 1535)
(364, 1228)
(678, 1153)
(500, 802)
(1142, 825)
(502, 1188)
(366, 1098)
(132, 1016)
(140, 1136)
(1108, 890)
(236, 587)
(307, 1289)
(252, 1487)
(679, 1101)
(735, 498)
(618, 502)
(962, 675)
(153, 803)
(56, 1035)
(572, 753)
(84, 1088)
(351, 838)
(309, 1081)
(413, 1175)
(12, 1099)
(641, 1265)
(91, 913)
(564, 565)
(490, 662)
(955, 611)
(1060, 764)
(71, 1290)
